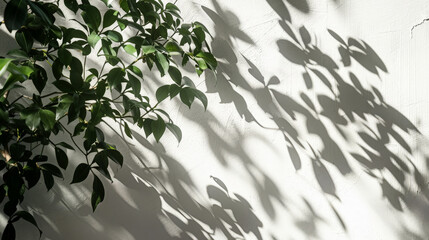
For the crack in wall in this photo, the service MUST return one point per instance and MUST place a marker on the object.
(418, 24)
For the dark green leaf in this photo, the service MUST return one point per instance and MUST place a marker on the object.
(81, 173)
(24, 39)
(15, 14)
(109, 17)
(115, 155)
(76, 74)
(128, 130)
(97, 193)
(158, 128)
(162, 63)
(201, 96)
(187, 96)
(48, 119)
(92, 17)
(114, 36)
(209, 59)
(115, 77)
(62, 158)
(8, 232)
(175, 74)
(49, 180)
(54, 170)
(29, 218)
(162, 93)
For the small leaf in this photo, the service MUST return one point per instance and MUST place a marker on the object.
(209, 59)
(175, 130)
(187, 96)
(130, 49)
(128, 130)
(65, 56)
(109, 17)
(115, 155)
(24, 39)
(62, 158)
(158, 128)
(54, 170)
(81, 173)
(172, 46)
(201, 96)
(97, 193)
(115, 77)
(93, 38)
(76, 74)
(92, 17)
(148, 49)
(175, 74)
(48, 119)
(114, 36)
(15, 14)
(162, 93)
(162, 63)
(49, 180)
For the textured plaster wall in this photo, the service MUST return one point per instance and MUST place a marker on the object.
(316, 128)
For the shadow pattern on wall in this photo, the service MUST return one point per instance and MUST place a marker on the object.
(163, 201)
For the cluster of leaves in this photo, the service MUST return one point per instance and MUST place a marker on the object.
(77, 99)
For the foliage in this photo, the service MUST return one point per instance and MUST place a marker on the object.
(74, 100)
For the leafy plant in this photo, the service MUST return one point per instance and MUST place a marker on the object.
(74, 100)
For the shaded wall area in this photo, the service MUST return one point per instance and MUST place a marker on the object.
(316, 129)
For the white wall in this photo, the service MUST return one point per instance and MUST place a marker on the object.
(310, 142)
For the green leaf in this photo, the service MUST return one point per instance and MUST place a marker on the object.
(32, 120)
(24, 39)
(40, 11)
(209, 59)
(171, 6)
(65, 56)
(158, 128)
(92, 17)
(201, 64)
(130, 49)
(114, 36)
(174, 90)
(128, 130)
(162, 63)
(76, 74)
(187, 96)
(147, 126)
(201, 36)
(97, 193)
(15, 14)
(29, 218)
(172, 46)
(81, 173)
(93, 38)
(54, 170)
(134, 83)
(115, 77)
(72, 5)
(201, 96)
(4, 63)
(148, 49)
(49, 180)
(9, 232)
(62, 158)
(109, 17)
(48, 119)
(175, 74)
(39, 78)
(115, 155)
(175, 130)
(162, 92)
(63, 106)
